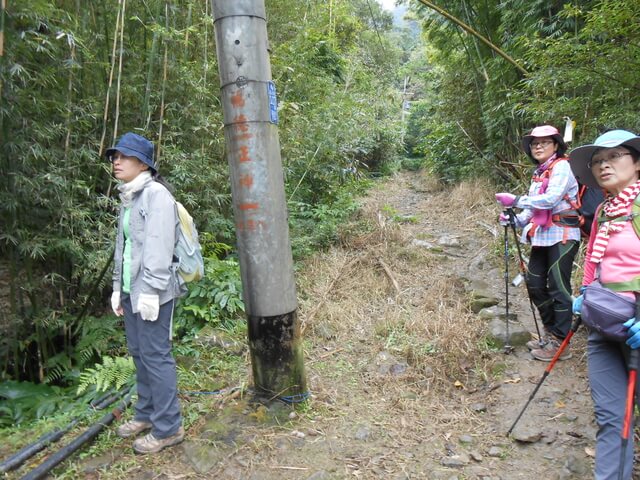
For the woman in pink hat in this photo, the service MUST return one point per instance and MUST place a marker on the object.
(550, 223)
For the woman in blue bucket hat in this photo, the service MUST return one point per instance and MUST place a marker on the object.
(550, 223)
(612, 266)
(145, 285)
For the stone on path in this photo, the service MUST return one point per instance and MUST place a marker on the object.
(518, 334)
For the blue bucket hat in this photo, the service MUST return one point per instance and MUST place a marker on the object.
(134, 145)
(580, 157)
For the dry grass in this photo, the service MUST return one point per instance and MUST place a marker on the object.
(406, 300)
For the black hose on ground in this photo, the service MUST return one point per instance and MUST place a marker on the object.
(52, 461)
(18, 458)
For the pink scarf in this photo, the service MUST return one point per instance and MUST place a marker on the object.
(543, 217)
(613, 207)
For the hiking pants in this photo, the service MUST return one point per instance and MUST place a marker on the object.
(549, 284)
(608, 379)
(149, 344)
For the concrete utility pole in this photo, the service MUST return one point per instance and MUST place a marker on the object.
(259, 203)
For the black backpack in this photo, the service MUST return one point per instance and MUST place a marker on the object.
(590, 198)
(586, 203)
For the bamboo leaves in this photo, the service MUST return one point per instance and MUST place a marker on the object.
(75, 75)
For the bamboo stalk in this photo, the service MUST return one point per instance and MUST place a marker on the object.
(205, 68)
(186, 35)
(476, 34)
(472, 62)
(330, 18)
(2, 9)
(117, 112)
(146, 116)
(67, 140)
(164, 87)
(205, 63)
(390, 275)
(475, 45)
(110, 84)
(3, 6)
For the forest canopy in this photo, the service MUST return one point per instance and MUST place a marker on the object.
(472, 106)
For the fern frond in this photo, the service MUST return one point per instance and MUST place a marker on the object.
(112, 372)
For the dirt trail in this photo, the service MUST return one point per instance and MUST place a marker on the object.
(402, 385)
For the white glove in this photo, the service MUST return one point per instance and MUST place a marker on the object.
(149, 306)
(115, 304)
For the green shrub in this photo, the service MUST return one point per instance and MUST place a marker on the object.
(214, 300)
(21, 402)
(316, 228)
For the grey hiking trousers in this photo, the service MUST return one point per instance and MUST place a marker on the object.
(149, 344)
(608, 378)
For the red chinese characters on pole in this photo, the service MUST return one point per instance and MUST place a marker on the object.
(237, 100)
(241, 128)
(246, 180)
(241, 135)
(243, 156)
(250, 225)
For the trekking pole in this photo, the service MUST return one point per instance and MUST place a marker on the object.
(634, 359)
(628, 412)
(523, 271)
(563, 345)
(507, 347)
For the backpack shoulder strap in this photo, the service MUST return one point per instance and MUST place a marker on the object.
(635, 214)
(547, 173)
(634, 217)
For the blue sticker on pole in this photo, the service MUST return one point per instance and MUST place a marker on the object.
(273, 102)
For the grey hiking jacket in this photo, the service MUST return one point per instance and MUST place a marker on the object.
(153, 228)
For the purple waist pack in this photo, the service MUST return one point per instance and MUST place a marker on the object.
(605, 311)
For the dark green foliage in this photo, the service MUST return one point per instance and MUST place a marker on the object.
(592, 72)
(58, 202)
(581, 59)
(216, 300)
(23, 401)
(447, 153)
(316, 228)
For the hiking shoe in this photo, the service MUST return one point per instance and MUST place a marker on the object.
(546, 353)
(537, 344)
(151, 444)
(132, 428)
